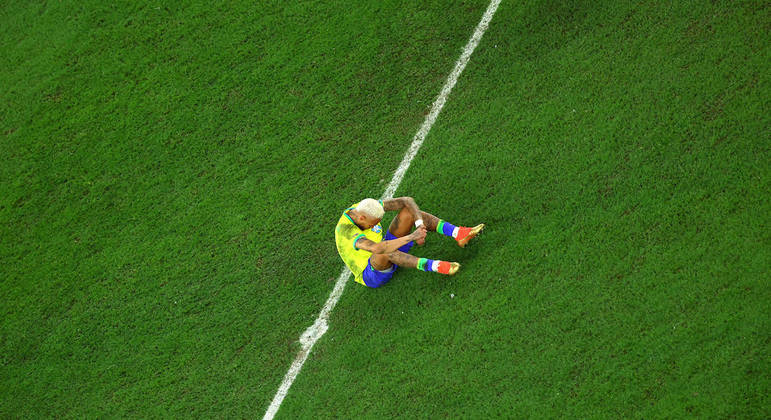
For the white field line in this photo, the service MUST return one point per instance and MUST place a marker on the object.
(315, 331)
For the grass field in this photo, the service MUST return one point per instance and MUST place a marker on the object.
(173, 172)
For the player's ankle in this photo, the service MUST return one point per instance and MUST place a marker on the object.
(437, 266)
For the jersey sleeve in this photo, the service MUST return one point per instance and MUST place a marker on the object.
(361, 235)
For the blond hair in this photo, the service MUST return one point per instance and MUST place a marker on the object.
(371, 208)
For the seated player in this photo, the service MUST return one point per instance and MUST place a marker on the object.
(373, 260)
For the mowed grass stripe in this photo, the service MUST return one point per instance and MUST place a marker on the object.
(624, 269)
(170, 173)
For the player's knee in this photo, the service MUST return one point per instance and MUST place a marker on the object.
(379, 260)
(406, 220)
(406, 215)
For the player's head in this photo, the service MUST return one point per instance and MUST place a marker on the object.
(369, 212)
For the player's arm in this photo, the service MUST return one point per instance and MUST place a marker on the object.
(395, 204)
(386, 247)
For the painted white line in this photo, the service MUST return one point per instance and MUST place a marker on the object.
(417, 141)
(307, 340)
(315, 331)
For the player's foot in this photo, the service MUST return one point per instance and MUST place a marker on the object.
(454, 267)
(466, 234)
(438, 266)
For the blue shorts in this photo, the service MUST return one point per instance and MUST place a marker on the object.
(376, 278)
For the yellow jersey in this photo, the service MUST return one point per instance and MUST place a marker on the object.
(346, 235)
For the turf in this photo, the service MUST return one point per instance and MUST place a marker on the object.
(169, 179)
(619, 155)
(173, 172)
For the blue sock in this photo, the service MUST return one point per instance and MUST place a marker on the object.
(447, 229)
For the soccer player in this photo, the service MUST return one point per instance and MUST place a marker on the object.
(372, 260)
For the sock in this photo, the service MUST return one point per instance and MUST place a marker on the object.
(437, 266)
(457, 232)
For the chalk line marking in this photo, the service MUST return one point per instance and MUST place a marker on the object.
(315, 331)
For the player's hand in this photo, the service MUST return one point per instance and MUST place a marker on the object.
(419, 236)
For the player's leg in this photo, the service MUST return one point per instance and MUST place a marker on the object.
(403, 259)
(404, 221)
(379, 271)
(400, 226)
(410, 261)
(380, 262)
(384, 263)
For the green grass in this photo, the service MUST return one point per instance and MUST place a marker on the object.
(173, 173)
(620, 157)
